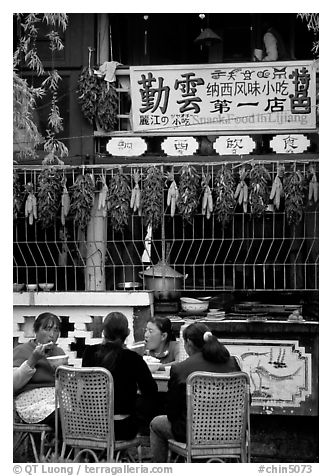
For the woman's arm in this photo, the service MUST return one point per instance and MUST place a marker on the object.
(22, 375)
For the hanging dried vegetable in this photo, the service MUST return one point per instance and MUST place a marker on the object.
(313, 184)
(207, 201)
(152, 197)
(107, 107)
(172, 194)
(135, 200)
(294, 187)
(277, 191)
(225, 202)
(98, 99)
(30, 204)
(259, 195)
(49, 195)
(102, 197)
(88, 92)
(83, 194)
(188, 192)
(118, 200)
(242, 190)
(17, 195)
(65, 204)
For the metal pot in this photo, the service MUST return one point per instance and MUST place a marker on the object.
(164, 281)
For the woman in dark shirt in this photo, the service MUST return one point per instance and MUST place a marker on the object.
(206, 354)
(130, 374)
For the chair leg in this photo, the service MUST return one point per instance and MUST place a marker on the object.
(34, 449)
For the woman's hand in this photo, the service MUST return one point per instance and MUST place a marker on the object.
(39, 352)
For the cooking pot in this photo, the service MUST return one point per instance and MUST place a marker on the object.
(165, 281)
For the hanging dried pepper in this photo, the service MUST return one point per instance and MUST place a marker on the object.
(152, 197)
(207, 201)
(30, 207)
(65, 204)
(241, 192)
(225, 202)
(49, 195)
(277, 191)
(135, 200)
(173, 193)
(259, 195)
(83, 194)
(294, 186)
(188, 192)
(118, 200)
(313, 184)
(17, 195)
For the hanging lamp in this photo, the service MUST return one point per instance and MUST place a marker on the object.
(207, 37)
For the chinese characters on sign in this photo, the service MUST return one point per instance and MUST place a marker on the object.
(234, 145)
(179, 146)
(290, 143)
(126, 146)
(250, 96)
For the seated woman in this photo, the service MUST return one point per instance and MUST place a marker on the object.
(34, 378)
(159, 341)
(130, 374)
(206, 354)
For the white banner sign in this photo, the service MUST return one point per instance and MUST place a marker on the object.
(234, 145)
(232, 97)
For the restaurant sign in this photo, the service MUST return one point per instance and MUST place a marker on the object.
(260, 96)
(126, 146)
(234, 145)
(179, 146)
(290, 143)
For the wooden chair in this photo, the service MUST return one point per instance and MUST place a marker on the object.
(85, 402)
(218, 426)
(23, 432)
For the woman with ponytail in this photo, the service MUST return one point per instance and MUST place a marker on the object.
(130, 373)
(206, 354)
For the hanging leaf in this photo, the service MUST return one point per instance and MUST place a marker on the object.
(294, 187)
(49, 189)
(225, 202)
(118, 201)
(259, 193)
(17, 195)
(83, 194)
(152, 197)
(188, 192)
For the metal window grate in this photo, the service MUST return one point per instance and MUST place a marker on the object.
(249, 254)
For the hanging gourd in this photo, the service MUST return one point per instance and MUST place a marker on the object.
(30, 207)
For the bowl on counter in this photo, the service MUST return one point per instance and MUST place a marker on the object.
(32, 287)
(56, 360)
(194, 306)
(46, 286)
(129, 285)
(17, 288)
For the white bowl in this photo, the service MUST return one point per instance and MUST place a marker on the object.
(17, 288)
(56, 360)
(194, 305)
(31, 287)
(46, 286)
